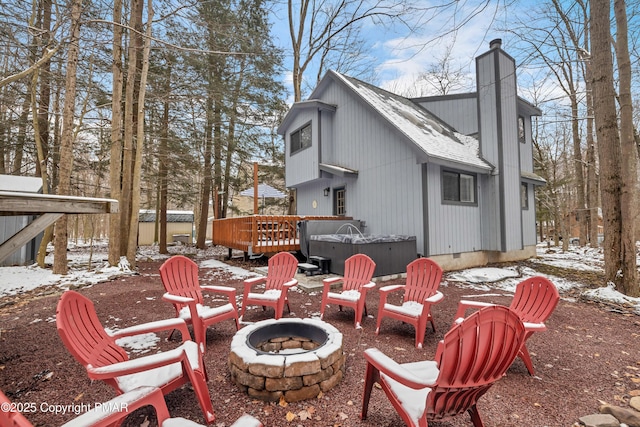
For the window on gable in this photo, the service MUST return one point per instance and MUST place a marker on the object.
(524, 195)
(301, 139)
(522, 135)
(458, 187)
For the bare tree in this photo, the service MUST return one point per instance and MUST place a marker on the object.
(316, 25)
(66, 148)
(132, 244)
(115, 166)
(629, 280)
(608, 137)
(442, 76)
(558, 48)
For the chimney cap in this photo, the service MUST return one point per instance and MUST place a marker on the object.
(495, 43)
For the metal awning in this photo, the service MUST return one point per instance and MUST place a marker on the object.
(338, 170)
(532, 178)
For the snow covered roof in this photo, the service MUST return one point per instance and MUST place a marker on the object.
(532, 177)
(24, 184)
(438, 141)
(147, 215)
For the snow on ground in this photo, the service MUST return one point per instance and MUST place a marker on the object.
(89, 266)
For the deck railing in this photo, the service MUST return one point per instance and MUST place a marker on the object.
(257, 234)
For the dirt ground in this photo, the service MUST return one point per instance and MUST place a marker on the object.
(588, 354)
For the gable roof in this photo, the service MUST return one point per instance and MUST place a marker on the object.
(430, 135)
(147, 215)
(311, 103)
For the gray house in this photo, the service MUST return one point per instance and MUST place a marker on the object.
(456, 171)
(10, 224)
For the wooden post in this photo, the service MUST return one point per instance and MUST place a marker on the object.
(216, 209)
(255, 188)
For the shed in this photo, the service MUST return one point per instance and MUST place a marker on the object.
(12, 224)
(179, 226)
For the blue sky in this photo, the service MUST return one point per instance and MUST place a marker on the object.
(398, 57)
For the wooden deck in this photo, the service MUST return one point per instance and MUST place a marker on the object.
(261, 234)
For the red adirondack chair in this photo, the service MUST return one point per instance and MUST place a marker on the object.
(534, 300)
(86, 339)
(420, 293)
(127, 402)
(281, 271)
(473, 355)
(179, 276)
(358, 271)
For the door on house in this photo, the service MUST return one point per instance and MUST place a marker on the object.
(339, 201)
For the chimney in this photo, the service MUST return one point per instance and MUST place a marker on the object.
(495, 44)
(498, 126)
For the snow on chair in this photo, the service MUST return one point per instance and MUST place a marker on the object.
(358, 271)
(86, 339)
(179, 276)
(420, 292)
(472, 356)
(281, 271)
(534, 300)
(127, 403)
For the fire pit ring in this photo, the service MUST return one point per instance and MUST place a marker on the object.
(294, 359)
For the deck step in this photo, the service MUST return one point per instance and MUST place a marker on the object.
(308, 269)
(322, 263)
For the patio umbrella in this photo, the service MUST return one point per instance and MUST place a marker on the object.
(264, 191)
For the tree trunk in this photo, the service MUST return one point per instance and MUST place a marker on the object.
(592, 176)
(206, 172)
(629, 280)
(115, 165)
(66, 147)
(41, 122)
(608, 137)
(132, 245)
(129, 122)
(578, 163)
(163, 169)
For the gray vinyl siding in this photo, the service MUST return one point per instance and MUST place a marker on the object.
(452, 228)
(10, 225)
(526, 151)
(489, 218)
(312, 191)
(387, 192)
(499, 145)
(303, 165)
(510, 166)
(461, 112)
(529, 235)
(487, 114)
(488, 122)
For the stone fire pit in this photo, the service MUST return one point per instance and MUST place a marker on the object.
(294, 358)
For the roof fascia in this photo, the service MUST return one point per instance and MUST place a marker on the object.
(528, 107)
(303, 105)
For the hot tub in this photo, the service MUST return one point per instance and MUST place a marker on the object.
(391, 252)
